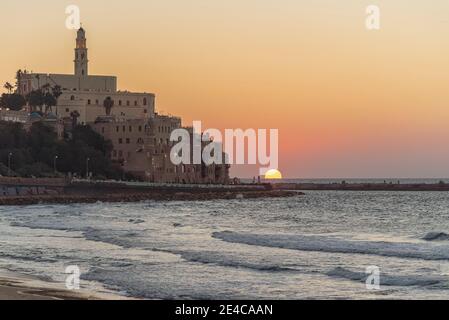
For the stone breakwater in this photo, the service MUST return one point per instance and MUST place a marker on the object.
(143, 196)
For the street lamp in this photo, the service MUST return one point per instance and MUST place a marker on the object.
(9, 163)
(54, 163)
(87, 168)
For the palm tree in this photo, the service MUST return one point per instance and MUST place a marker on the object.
(36, 99)
(8, 87)
(56, 91)
(108, 104)
(51, 95)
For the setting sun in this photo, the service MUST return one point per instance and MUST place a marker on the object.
(273, 174)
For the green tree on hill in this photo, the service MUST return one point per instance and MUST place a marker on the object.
(13, 101)
(34, 151)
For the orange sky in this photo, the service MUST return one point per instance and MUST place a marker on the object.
(348, 102)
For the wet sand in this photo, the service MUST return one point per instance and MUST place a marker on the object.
(21, 287)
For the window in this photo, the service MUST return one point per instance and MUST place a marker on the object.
(140, 128)
(124, 128)
(145, 102)
(114, 153)
(72, 98)
(135, 103)
(145, 111)
(67, 110)
(127, 103)
(120, 153)
(118, 129)
(120, 141)
(120, 102)
(130, 129)
(88, 102)
(96, 102)
(102, 130)
(128, 141)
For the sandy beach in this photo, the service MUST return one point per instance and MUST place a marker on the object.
(15, 286)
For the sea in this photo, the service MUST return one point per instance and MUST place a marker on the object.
(320, 245)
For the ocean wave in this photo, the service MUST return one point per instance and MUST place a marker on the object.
(424, 251)
(120, 238)
(436, 236)
(219, 259)
(387, 280)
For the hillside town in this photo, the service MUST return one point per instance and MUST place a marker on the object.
(109, 133)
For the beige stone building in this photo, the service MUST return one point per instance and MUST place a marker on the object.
(143, 148)
(86, 93)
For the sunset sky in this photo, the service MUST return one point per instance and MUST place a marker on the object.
(348, 102)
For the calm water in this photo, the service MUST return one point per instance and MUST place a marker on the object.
(307, 247)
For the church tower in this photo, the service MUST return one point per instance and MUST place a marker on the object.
(81, 61)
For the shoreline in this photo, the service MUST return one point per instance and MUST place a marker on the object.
(16, 286)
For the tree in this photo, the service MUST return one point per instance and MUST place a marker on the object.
(49, 102)
(8, 86)
(56, 91)
(51, 98)
(92, 139)
(108, 104)
(35, 99)
(34, 151)
(12, 101)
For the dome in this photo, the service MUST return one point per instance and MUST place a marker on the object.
(35, 116)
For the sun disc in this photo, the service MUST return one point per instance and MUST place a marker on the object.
(273, 175)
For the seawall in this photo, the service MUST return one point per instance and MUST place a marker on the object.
(61, 191)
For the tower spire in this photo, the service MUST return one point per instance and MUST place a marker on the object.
(81, 60)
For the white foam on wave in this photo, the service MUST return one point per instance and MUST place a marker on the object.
(424, 251)
(226, 260)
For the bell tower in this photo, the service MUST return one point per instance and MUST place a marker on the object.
(81, 61)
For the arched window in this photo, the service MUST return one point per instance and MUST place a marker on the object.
(72, 98)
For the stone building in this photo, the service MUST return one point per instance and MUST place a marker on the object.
(86, 93)
(143, 148)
